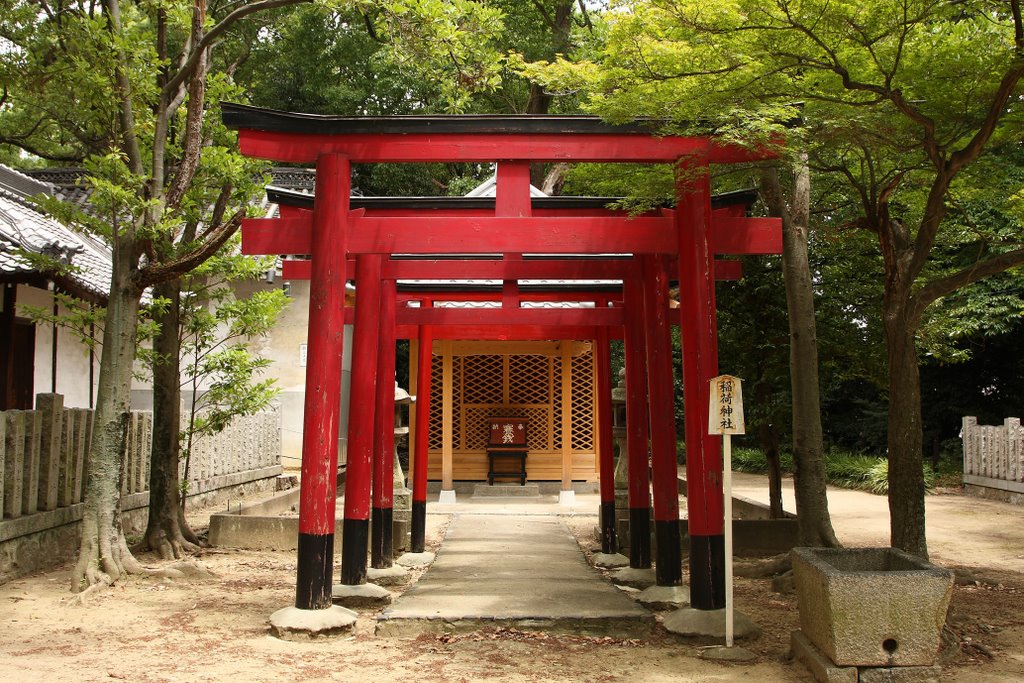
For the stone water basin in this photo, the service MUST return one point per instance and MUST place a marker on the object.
(871, 606)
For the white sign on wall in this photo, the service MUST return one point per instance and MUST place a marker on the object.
(302, 355)
(725, 414)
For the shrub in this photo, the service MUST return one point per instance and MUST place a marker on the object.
(754, 461)
(844, 469)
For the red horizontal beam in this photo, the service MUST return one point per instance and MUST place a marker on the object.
(488, 269)
(518, 333)
(287, 211)
(735, 235)
(485, 147)
(555, 269)
(501, 318)
(469, 235)
(293, 269)
(267, 236)
(561, 235)
(562, 295)
(473, 234)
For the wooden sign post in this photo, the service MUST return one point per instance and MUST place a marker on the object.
(725, 417)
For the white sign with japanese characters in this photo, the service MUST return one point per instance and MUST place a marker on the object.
(725, 415)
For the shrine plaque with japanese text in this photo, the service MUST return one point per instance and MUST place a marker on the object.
(725, 410)
(507, 432)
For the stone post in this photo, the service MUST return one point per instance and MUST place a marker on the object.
(970, 425)
(1014, 450)
(14, 462)
(51, 409)
(66, 470)
(30, 471)
(3, 460)
(83, 437)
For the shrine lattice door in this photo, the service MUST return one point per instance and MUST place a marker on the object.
(559, 405)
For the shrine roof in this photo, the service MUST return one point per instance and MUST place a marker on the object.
(258, 118)
(25, 229)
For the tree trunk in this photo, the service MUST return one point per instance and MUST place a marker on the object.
(768, 436)
(815, 524)
(770, 443)
(906, 461)
(539, 101)
(103, 554)
(167, 532)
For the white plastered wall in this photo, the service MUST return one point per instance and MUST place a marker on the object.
(73, 359)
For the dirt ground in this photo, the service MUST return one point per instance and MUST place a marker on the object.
(150, 630)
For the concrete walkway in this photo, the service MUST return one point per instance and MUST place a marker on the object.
(514, 571)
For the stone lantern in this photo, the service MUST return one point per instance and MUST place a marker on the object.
(622, 464)
(619, 432)
(402, 506)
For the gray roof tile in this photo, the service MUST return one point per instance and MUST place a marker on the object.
(25, 227)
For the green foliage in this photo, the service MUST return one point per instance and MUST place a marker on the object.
(328, 59)
(80, 318)
(452, 43)
(217, 329)
(232, 391)
(753, 460)
(85, 321)
(842, 468)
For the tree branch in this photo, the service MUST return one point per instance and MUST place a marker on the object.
(20, 143)
(371, 30)
(198, 49)
(934, 211)
(192, 142)
(124, 92)
(1018, 25)
(996, 110)
(213, 240)
(942, 286)
(544, 14)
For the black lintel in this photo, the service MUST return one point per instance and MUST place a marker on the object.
(239, 116)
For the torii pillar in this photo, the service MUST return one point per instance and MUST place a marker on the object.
(698, 324)
(637, 427)
(381, 531)
(424, 358)
(605, 443)
(314, 612)
(355, 536)
(668, 565)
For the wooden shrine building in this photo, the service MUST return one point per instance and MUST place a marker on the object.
(539, 352)
(550, 383)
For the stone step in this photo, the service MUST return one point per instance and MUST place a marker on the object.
(506, 491)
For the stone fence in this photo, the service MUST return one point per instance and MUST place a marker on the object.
(44, 461)
(994, 460)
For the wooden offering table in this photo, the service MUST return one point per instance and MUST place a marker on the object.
(506, 449)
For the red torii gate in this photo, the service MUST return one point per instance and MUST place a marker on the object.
(689, 236)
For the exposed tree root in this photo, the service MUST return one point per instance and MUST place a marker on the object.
(169, 547)
(186, 570)
(171, 537)
(80, 598)
(103, 557)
